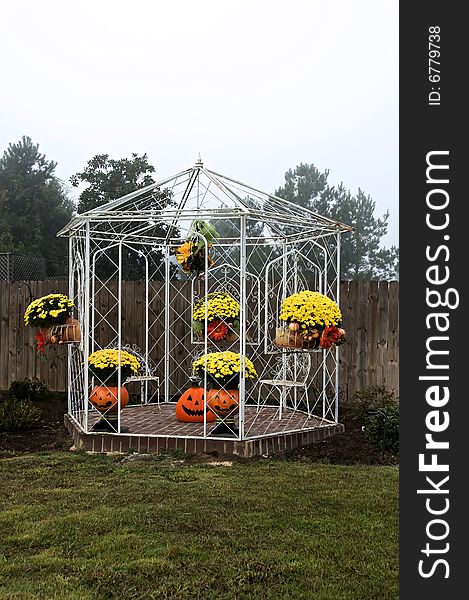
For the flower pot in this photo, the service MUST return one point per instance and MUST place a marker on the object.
(225, 404)
(312, 344)
(311, 321)
(285, 338)
(232, 336)
(230, 382)
(218, 331)
(71, 331)
(64, 334)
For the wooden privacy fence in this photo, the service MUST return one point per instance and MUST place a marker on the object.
(370, 316)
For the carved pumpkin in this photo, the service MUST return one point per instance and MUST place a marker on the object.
(223, 402)
(105, 398)
(191, 405)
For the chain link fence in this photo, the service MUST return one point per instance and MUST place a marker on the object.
(21, 268)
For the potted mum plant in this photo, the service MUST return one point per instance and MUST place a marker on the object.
(104, 366)
(223, 372)
(311, 321)
(222, 312)
(51, 315)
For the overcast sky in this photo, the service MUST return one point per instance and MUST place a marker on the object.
(255, 86)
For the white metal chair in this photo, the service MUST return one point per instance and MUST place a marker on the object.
(291, 376)
(148, 370)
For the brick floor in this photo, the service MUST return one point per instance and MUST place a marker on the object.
(161, 420)
(154, 429)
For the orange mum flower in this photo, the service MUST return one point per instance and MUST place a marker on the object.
(217, 330)
(184, 252)
(41, 340)
(332, 335)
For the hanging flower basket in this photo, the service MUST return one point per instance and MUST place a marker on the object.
(222, 313)
(51, 316)
(65, 334)
(191, 254)
(310, 321)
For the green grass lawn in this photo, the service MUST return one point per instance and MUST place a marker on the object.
(81, 527)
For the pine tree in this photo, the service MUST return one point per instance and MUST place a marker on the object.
(33, 206)
(362, 256)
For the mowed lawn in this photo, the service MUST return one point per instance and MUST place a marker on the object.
(82, 527)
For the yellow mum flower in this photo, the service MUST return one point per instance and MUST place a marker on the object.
(310, 308)
(48, 310)
(223, 364)
(219, 305)
(109, 359)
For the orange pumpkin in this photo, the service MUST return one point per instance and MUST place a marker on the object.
(223, 402)
(105, 398)
(191, 406)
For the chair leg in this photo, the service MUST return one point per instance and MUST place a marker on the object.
(259, 397)
(307, 400)
(282, 400)
(157, 379)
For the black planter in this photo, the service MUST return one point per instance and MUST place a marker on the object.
(226, 383)
(108, 424)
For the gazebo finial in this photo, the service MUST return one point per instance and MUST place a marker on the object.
(198, 162)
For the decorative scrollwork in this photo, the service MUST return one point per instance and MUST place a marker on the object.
(146, 364)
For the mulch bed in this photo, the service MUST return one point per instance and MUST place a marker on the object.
(52, 434)
(350, 447)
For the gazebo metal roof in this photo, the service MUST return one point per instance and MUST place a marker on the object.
(200, 193)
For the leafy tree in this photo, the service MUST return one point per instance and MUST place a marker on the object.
(33, 206)
(106, 179)
(362, 256)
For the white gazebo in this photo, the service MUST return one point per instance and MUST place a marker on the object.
(131, 293)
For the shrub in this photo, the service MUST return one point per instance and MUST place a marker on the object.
(357, 408)
(18, 415)
(382, 428)
(29, 389)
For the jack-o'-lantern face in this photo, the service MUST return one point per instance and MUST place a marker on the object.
(191, 406)
(223, 402)
(105, 398)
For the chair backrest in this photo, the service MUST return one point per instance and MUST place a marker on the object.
(147, 367)
(294, 366)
